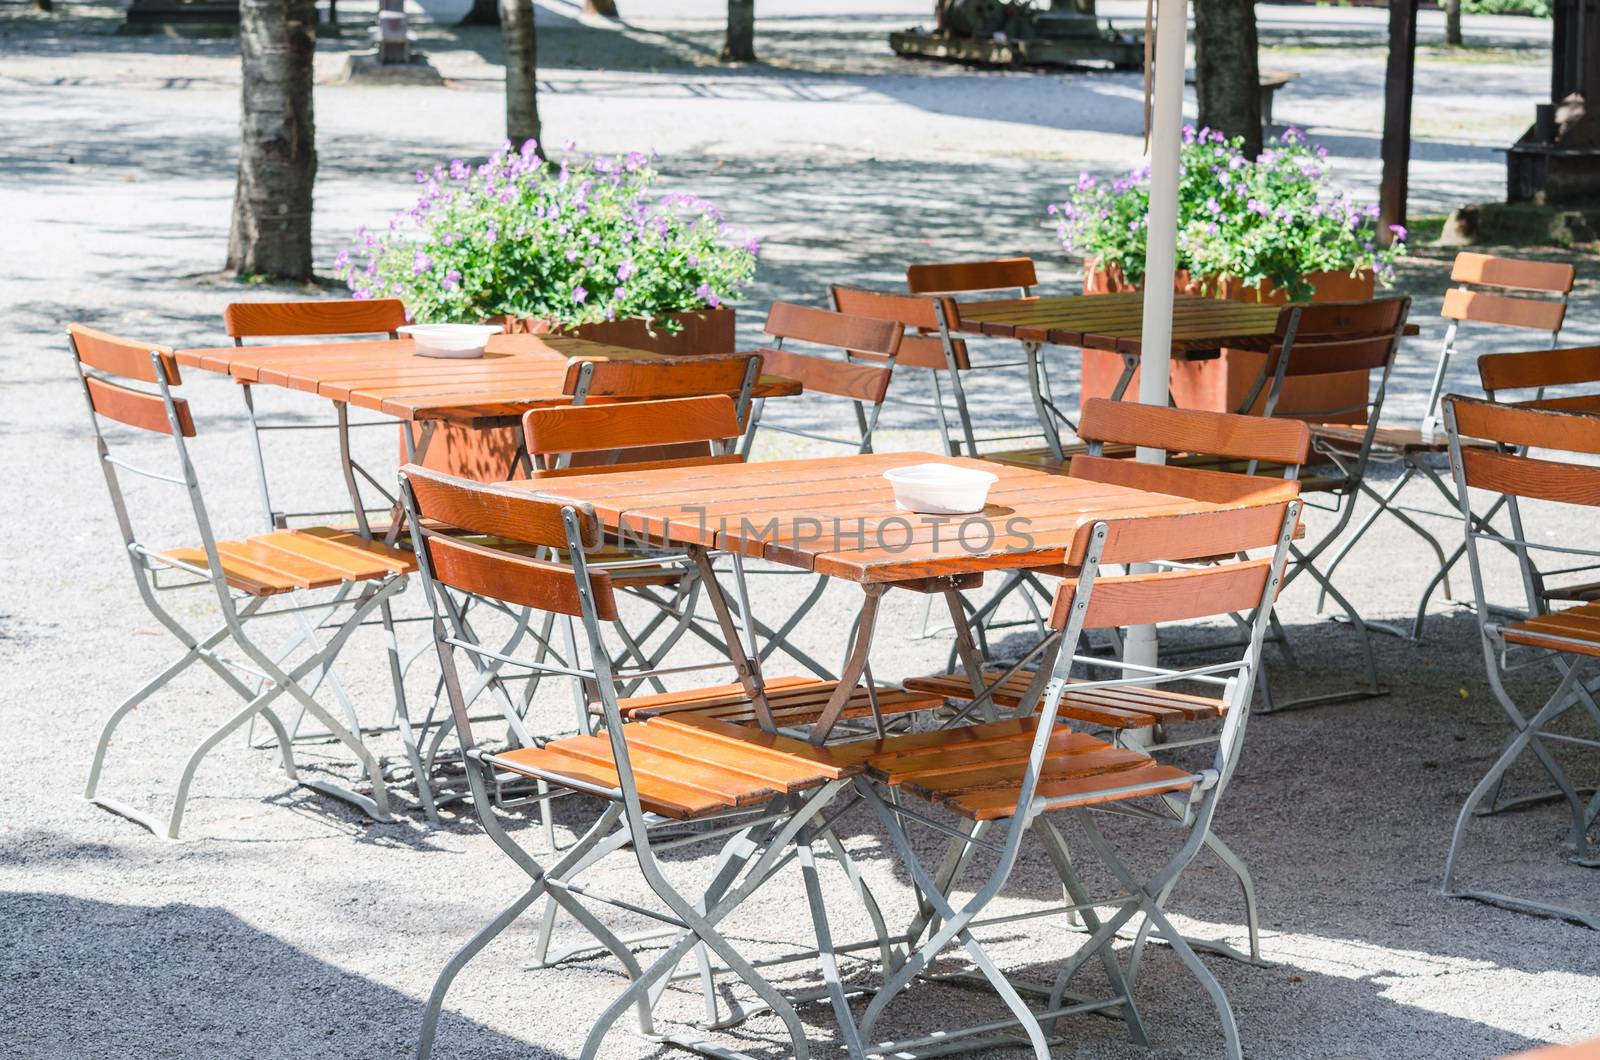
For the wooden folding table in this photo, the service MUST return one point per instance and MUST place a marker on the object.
(516, 373)
(837, 516)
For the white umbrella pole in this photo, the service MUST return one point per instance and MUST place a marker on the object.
(1161, 245)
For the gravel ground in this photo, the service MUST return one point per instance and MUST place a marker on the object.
(287, 925)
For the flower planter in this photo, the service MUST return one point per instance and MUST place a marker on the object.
(1221, 385)
(490, 455)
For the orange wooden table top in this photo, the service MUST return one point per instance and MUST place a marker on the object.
(517, 373)
(1200, 326)
(837, 515)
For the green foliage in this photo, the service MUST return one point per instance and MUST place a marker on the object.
(575, 243)
(1276, 218)
(1535, 8)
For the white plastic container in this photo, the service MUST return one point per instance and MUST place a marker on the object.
(940, 489)
(450, 340)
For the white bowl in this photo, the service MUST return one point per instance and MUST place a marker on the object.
(450, 340)
(940, 489)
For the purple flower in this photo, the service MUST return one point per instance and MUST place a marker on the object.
(422, 176)
(625, 270)
(619, 294)
(529, 148)
(1085, 181)
(420, 264)
(579, 294)
(1256, 206)
(458, 169)
(1399, 232)
(572, 255)
(707, 295)
(452, 280)
(341, 261)
(1213, 205)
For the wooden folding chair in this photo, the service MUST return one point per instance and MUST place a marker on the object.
(616, 387)
(324, 318)
(922, 348)
(858, 363)
(321, 318)
(995, 278)
(647, 774)
(1567, 639)
(1321, 341)
(245, 575)
(1028, 769)
(1490, 292)
(1239, 444)
(1527, 379)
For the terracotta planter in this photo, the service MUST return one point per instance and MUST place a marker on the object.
(490, 456)
(1221, 385)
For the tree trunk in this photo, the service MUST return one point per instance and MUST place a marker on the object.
(1227, 77)
(603, 8)
(482, 13)
(521, 42)
(1452, 23)
(739, 46)
(271, 233)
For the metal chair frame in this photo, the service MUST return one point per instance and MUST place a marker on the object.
(1428, 465)
(274, 677)
(758, 848)
(1038, 377)
(1191, 810)
(1573, 691)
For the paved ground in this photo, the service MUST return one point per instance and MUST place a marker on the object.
(287, 926)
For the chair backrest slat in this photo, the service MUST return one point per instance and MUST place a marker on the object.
(580, 468)
(1485, 307)
(960, 277)
(1517, 425)
(1539, 368)
(1194, 431)
(1213, 487)
(824, 327)
(123, 357)
(1176, 596)
(500, 511)
(861, 382)
(631, 424)
(136, 408)
(1331, 357)
(514, 579)
(912, 311)
(1340, 321)
(660, 377)
(1526, 476)
(1486, 270)
(343, 316)
(1184, 536)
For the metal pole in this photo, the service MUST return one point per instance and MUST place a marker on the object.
(1161, 243)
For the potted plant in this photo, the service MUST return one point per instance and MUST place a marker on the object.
(579, 247)
(1273, 229)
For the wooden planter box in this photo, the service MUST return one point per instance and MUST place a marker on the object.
(1221, 385)
(490, 456)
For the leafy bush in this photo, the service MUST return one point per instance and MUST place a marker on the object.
(1535, 8)
(1276, 218)
(575, 243)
